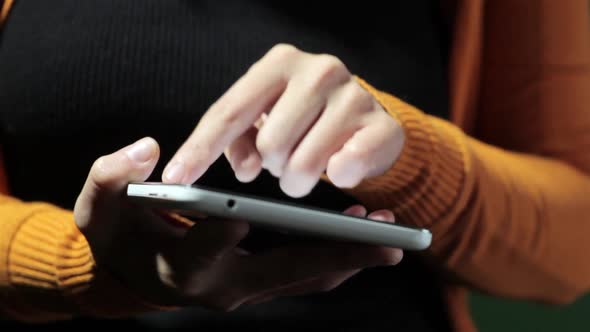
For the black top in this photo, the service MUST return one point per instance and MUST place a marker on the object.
(79, 79)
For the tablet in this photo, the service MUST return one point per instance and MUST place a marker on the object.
(276, 214)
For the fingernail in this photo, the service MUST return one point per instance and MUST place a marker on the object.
(297, 184)
(380, 217)
(384, 215)
(398, 255)
(141, 151)
(174, 173)
(356, 211)
(391, 257)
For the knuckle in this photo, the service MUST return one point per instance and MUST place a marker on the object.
(277, 55)
(282, 52)
(230, 116)
(330, 64)
(328, 70)
(357, 99)
(99, 171)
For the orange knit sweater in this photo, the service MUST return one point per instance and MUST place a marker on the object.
(504, 186)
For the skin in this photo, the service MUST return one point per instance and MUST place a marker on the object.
(295, 114)
(312, 117)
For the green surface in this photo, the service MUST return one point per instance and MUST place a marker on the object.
(491, 314)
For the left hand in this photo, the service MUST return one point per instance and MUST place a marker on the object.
(297, 115)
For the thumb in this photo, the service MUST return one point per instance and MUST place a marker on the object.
(108, 179)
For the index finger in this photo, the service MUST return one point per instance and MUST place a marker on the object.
(234, 113)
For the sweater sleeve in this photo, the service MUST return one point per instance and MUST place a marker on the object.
(47, 271)
(510, 210)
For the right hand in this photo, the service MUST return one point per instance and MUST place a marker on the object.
(202, 265)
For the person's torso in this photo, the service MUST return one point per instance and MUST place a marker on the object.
(79, 79)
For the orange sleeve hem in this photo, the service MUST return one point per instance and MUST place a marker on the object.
(427, 179)
(47, 271)
(506, 223)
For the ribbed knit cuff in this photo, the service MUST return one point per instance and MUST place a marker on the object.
(51, 265)
(428, 177)
(48, 253)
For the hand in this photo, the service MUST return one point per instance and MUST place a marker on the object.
(297, 115)
(203, 264)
